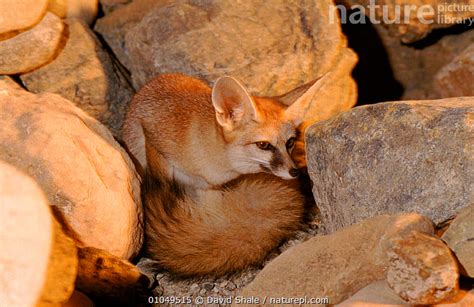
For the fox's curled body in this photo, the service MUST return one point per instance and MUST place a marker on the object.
(205, 213)
(218, 232)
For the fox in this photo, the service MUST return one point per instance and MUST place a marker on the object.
(218, 177)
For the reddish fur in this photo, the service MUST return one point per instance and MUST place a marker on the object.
(195, 237)
(212, 231)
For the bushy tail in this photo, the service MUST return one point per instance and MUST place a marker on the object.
(218, 231)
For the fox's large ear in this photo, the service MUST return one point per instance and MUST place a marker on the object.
(299, 99)
(232, 103)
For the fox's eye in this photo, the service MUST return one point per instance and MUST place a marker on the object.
(290, 143)
(264, 145)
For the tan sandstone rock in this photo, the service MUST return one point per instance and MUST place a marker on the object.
(81, 9)
(408, 156)
(84, 73)
(460, 238)
(38, 262)
(272, 47)
(338, 265)
(32, 48)
(422, 269)
(20, 14)
(88, 179)
(115, 25)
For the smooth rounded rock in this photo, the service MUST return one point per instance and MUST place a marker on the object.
(88, 178)
(32, 48)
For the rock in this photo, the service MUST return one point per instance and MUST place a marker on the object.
(393, 157)
(109, 6)
(338, 265)
(78, 299)
(412, 20)
(413, 66)
(85, 10)
(36, 255)
(375, 294)
(88, 178)
(114, 26)
(457, 78)
(423, 65)
(84, 73)
(272, 47)
(463, 299)
(460, 238)
(422, 269)
(379, 294)
(7, 82)
(32, 48)
(109, 279)
(21, 14)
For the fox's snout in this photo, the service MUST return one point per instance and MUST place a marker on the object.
(282, 165)
(288, 174)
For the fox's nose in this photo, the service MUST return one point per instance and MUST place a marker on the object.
(293, 172)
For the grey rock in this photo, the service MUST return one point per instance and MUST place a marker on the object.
(460, 238)
(393, 157)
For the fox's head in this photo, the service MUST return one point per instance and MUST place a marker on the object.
(260, 133)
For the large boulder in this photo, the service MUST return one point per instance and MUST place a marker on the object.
(84, 73)
(20, 14)
(393, 157)
(88, 178)
(35, 253)
(32, 48)
(271, 46)
(338, 265)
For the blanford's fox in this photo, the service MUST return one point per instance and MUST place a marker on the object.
(209, 207)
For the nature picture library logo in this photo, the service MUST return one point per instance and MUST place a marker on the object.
(445, 13)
